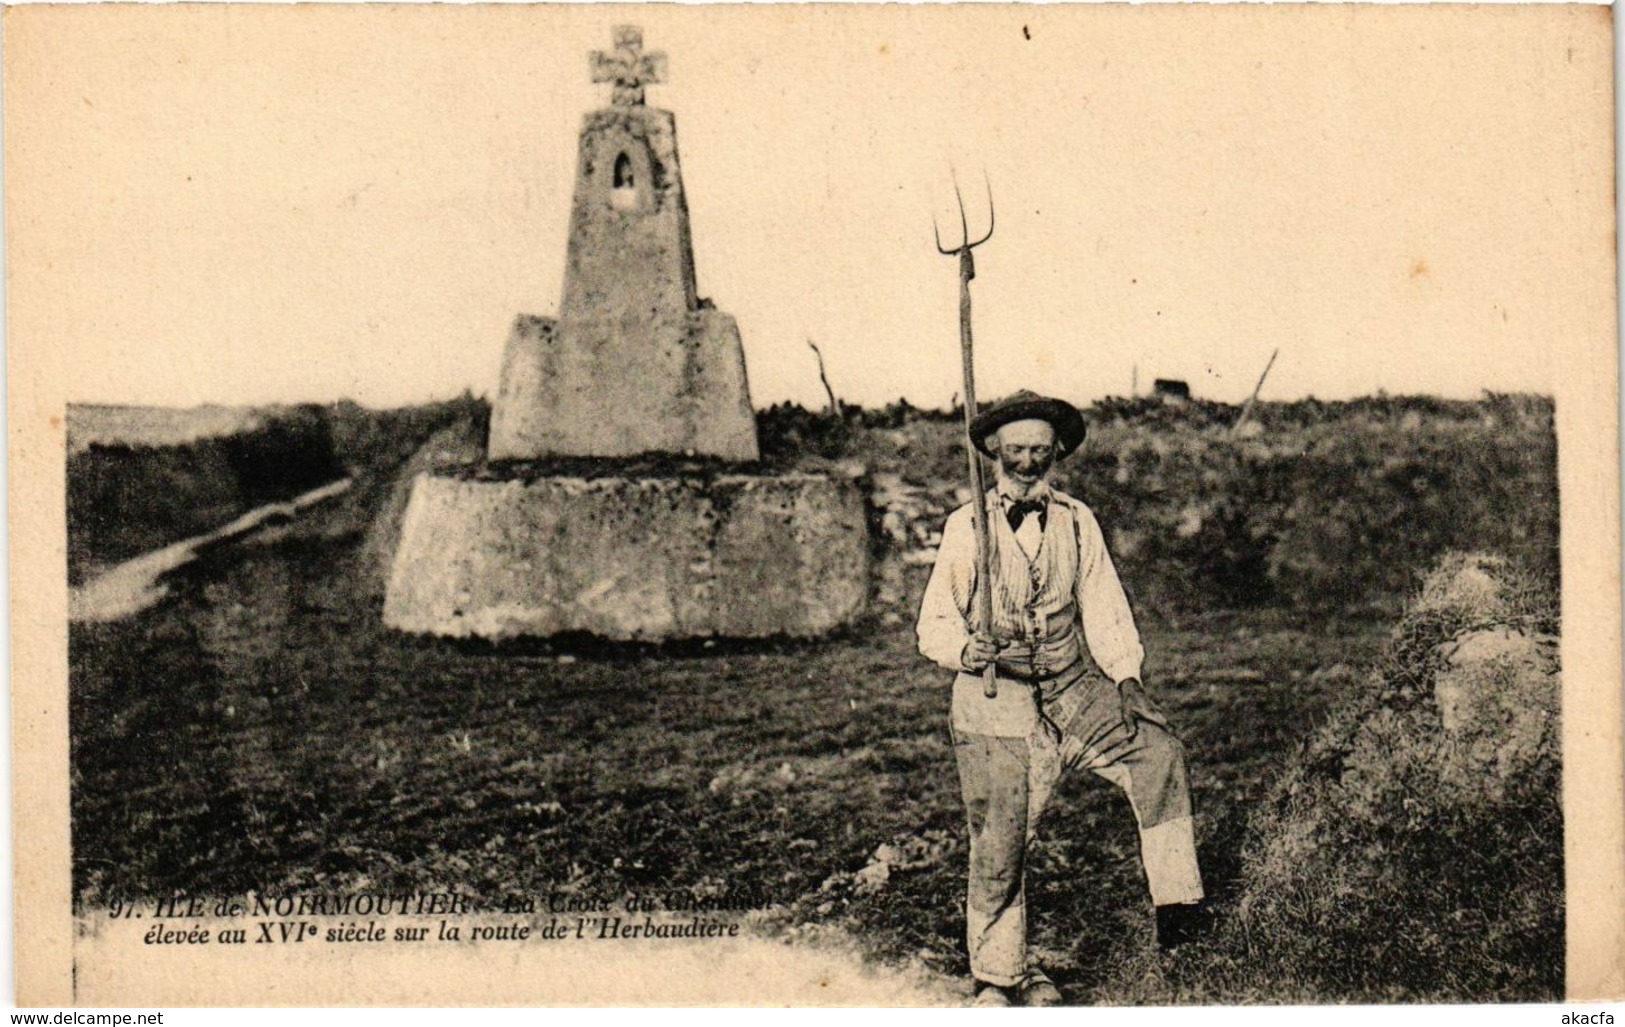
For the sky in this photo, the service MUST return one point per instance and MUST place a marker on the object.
(286, 204)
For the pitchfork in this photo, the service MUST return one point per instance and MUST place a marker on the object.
(967, 271)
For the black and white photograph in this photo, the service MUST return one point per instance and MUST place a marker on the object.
(908, 506)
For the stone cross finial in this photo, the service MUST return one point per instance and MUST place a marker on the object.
(628, 66)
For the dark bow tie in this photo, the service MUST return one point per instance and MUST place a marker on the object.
(1021, 508)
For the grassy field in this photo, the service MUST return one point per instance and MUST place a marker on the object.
(261, 731)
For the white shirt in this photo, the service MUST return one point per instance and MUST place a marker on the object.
(1051, 585)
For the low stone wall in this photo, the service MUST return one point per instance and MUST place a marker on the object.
(740, 556)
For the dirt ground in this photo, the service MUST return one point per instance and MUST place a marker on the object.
(261, 731)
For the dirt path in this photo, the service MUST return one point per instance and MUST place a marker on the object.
(136, 585)
(747, 971)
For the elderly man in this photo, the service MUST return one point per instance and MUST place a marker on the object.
(1067, 658)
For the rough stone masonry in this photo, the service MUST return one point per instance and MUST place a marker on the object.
(635, 363)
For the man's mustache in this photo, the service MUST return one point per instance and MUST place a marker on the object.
(1026, 467)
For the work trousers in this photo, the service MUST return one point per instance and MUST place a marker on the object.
(1007, 782)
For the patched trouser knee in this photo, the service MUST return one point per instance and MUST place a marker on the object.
(1147, 762)
(1156, 778)
(1152, 773)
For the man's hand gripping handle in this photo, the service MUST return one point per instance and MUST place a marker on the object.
(979, 657)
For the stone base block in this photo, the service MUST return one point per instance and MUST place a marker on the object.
(630, 558)
(622, 387)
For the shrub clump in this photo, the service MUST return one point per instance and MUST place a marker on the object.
(1413, 849)
(1323, 506)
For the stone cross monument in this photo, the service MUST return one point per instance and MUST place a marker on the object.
(636, 362)
(532, 543)
(628, 67)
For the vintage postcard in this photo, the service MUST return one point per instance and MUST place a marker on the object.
(818, 505)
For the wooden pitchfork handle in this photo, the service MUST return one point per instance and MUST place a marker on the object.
(984, 581)
(967, 271)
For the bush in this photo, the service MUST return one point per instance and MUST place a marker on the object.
(1327, 506)
(1321, 507)
(1392, 860)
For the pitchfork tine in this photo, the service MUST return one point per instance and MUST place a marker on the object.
(964, 222)
(989, 234)
(964, 227)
